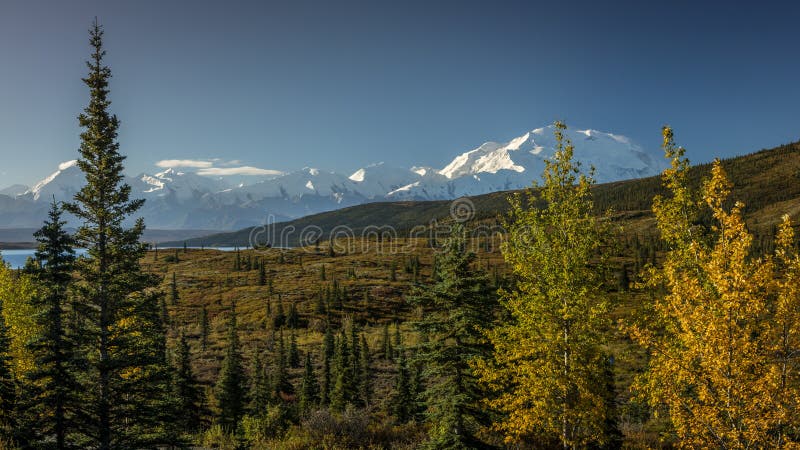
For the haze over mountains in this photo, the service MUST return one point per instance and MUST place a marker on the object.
(181, 199)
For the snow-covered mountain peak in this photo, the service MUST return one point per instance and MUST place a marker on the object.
(177, 199)
(63, 183)
(67, 164)
(614, 157)
(360, 174)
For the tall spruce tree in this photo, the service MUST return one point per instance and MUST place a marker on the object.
(232, 382)
(150, 409)
(188, 396)
(309, 390)
(328, 350)
(262, 273)
(386, 343)
(174, 296)
(365, 376)
(398, 340)
(280, 317)
(401, 402)
(280, 375)
(260, 392)
(112, 291)
(457, 309)
(355, 364)
(205, 328)
(293, 318)
(342, 392)
(50, 393)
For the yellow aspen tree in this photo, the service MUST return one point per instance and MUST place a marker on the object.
(784, 378)
(548, 359)
(16, 291)
(707, 335)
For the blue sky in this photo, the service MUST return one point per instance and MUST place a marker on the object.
(341, 84)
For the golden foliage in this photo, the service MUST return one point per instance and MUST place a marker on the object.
(16, 292)
(715, 333)
(548, 358)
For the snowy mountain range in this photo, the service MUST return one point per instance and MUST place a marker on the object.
(186, 200)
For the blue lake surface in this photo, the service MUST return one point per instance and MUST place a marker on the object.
(17, 258)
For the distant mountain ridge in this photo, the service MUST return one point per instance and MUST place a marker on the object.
(179, 199)
(767, 182)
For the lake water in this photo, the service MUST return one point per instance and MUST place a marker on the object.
(17, 258)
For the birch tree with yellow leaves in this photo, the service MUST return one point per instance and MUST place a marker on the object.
(723, 335)
(784, 345)
(549, 359)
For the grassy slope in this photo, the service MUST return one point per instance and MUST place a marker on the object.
(206, 277)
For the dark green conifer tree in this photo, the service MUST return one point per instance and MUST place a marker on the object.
(355, 365)
(205, 328)
(401, 401)
(187, 392)
(262, 274)
(260, 392)
(365, 387)
(292, 319)
(294, 353)
(386, 343)
(613, 435)
(174, 297)
(111, 291)
(50, 394)
(328, 350)
(280, 376)
(398, 340)
(336, 296)
(342, 394)
(149, 403)
(417, 388)
(164, 312)
(231, 388)
(456, 310)
(280, 316)
(309, 391)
